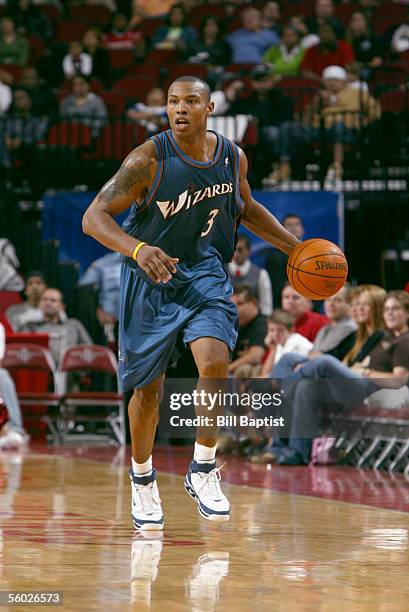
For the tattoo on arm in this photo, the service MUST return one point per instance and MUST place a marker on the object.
(132, 179)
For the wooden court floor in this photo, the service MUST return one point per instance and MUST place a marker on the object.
(65, 527)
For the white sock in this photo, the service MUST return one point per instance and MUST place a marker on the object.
(204, 454)
(142, 469)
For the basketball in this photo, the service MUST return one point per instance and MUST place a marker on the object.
(317, 269)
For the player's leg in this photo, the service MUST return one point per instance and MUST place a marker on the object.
(143, 411)
(202, 480)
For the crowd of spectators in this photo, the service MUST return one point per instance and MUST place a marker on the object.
(248, 51)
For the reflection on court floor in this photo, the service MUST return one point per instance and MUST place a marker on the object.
(65, 526)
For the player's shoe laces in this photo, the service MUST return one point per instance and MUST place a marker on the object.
(202, 482)
(146, 506)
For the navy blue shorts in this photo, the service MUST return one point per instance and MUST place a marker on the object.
(153, 317)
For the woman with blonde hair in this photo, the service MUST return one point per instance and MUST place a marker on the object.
(379, 359)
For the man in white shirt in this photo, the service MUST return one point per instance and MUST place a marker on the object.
(243, 272)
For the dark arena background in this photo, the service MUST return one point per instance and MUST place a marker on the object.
(316, 93)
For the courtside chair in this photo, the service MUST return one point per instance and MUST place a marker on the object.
(85, 359)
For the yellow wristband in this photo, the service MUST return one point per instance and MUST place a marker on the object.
(136, 250)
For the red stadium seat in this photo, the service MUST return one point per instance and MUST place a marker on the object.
(395, 101)
(149, 26)
(301, 90)
(69, 134)
(181, 69)
(93, 358)
(145, 70)
(114, 101)
(8, 298)
(38, 360)
(118, 139)
(94, 14)
(162, 56)
(66, 31)
(121, 58)
(51, 11)
(240, 68)
(37, 48)
(289, 9)
(343, 12)
(136, 87)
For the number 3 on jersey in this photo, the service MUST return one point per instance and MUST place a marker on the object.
(212, 215)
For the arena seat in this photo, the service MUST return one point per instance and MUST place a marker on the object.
(13, 69)
(69, 134)
(121, 58)
(119, 138)
(37, 48)
(95, 14)
(38, 360)
(88, 358)
(8, 298)
(114, 101)
(135, 86)
(51, 11)
(66, 31)
(162, 56)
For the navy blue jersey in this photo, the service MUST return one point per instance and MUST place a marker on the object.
(192, 208)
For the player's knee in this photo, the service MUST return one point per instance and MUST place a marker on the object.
(213, 368)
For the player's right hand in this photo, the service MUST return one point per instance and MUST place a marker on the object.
(156, 264)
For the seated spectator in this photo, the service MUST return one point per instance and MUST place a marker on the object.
(28, 311)
(76, 61)
(121, 36)
(367, 47)
(343, 109)
(29, 19)
(399, 36)
(250, 347)
(151, 114)
(105, 273)
(243, 272)
(307, 322)
(307, 39)
(387, 366)
(22, 131)
(281, 340)
(275, 261)
(271, 108)
(5, 97)
(323, 14)
(285, 59)
(92, 42)
(177, 33)
(10, 279)
(84, 105)
(211, 48)
(328, 52)
(63, 332)
(43, 99)
(12, 434)
(271, 17)
(250, 42)
(336, 339)
(14, 49)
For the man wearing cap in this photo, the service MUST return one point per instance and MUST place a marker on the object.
(342, 108)
(29, 311)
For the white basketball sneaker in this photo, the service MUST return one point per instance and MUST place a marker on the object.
(146, 505)
(202, 482)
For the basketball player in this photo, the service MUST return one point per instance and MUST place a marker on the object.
(188, 191)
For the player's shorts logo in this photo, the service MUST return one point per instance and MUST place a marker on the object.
(186, 200)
